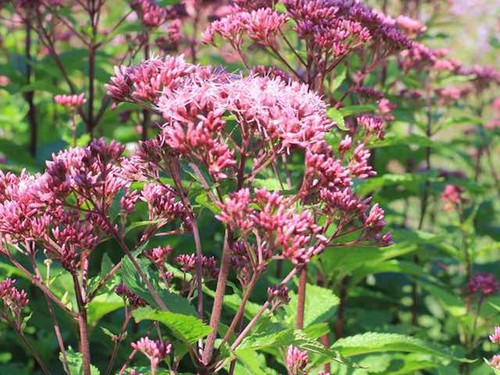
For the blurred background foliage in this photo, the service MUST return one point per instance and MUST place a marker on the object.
(374, 288)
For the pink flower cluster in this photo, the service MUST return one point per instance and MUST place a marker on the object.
(163, 202)
(495, 362)
(187, 263)
(70, 101)
(202, 109)
(134, 300)
(329, 28)
(296, 360)
(151, 78)
(411, 26)
(261, 25)
(151, 14)
(14, 299)
(373, 125)
(495, 337)
(452, 197)
(278, 294)
(158, 255)
(278, 223)
(483, 283)
(67, 210)
(154, 350)
(483, 76)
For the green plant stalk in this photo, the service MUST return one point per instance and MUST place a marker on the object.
(26, 342)
(82, 325)
(30, 95)
(218, 299)
(301, 297)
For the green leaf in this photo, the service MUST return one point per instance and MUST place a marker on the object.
(356, 109)
(453, 304)
(40, 85)
(204, 200)
(131, 278)
(276, 335)
(103, 305)
(412, 139)
(343, 262)
(16, 153)
(251, 363)
(144, 223)
(273, 335)
(233, 301)
(392, 266)
(320, 305)
(372, 342)
(75, 363)
(496, 307)
(340, 75)
(337, 116)
(186, 328)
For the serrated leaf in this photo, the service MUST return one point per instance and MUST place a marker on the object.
(373, 342)
(131, 278)
(186, 328)
(320, 305)
(251, 363)
(276, 335)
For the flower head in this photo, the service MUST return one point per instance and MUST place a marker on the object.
(14, 299)
(261, 25)
(495, 337)
(70, 101)
(410, 25)
(483, 283)
(151, 14)
(296, 360)
(495, 362)
(158, 255)
(278, 294)
(154, 350)
(452, 196)
(134, 300)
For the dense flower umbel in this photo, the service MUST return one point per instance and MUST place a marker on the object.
(203, 109)
(187, 263)
(154, 350)
(70, 101)
(296, 360)
(495, 337)
(330, 30)
(483, 283)
(495, 362)
(134, 300)
(66, 210)
(278, 295)
(452, 196)
(279, 225)
(151, 14)
(14, 299)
